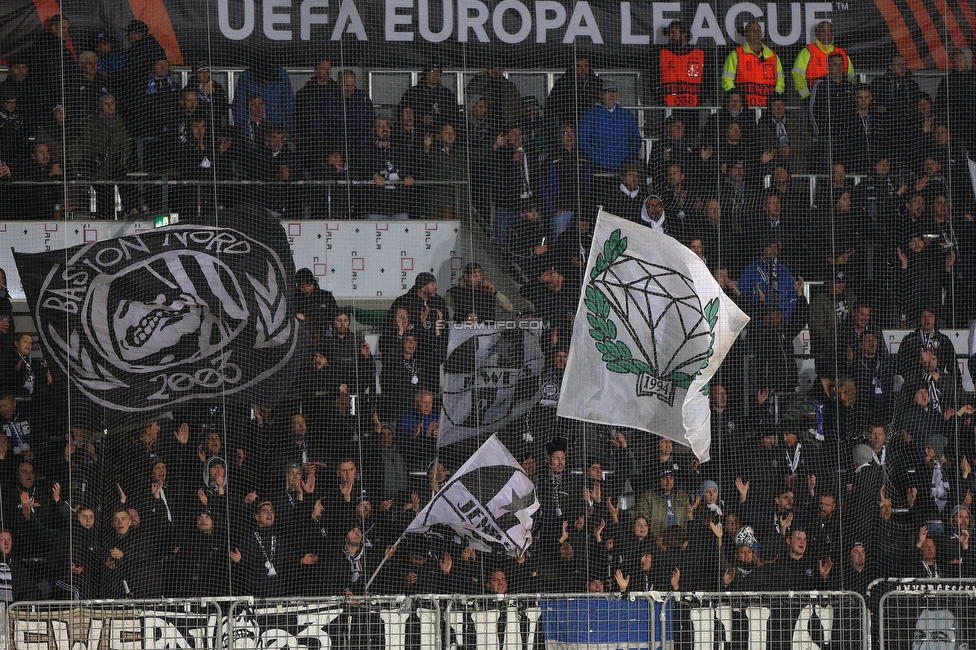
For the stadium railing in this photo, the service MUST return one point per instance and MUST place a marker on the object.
(648, 620)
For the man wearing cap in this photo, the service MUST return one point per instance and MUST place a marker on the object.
(144, 51)
(830, 315)
(212, 95)
(202, 558)
(608, 132)
(859, 571)
(110, 61)
(353, 561)
(425, 308)
(503, 97)
(433, 103)
(550, 295)
(475, 299)
(741, 575)
(664, 507)
(315, 306)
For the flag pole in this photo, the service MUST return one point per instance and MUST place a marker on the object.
(386, 556)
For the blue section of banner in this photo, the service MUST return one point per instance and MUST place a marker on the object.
(617, 623)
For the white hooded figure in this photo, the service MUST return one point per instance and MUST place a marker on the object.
(936, 629)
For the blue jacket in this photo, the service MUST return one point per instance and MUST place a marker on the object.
(610, 138)
(757, 274)
(278, 96)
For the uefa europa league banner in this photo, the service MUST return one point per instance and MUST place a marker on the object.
(519, 33)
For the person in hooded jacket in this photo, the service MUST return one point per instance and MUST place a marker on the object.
(314, 305)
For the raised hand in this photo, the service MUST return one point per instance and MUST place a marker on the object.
(622, 581)
(599, 529)
(183, 433)
(26, 503)
(824, 566)
(743, 488)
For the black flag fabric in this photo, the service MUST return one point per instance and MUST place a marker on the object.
(143, 322)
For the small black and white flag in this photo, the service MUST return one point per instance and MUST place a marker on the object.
(489, 502)
(146, 321)
(492, 376)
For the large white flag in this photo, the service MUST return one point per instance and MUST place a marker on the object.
(489, 501)
(652, 327)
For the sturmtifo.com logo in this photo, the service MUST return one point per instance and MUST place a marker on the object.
(646, 319)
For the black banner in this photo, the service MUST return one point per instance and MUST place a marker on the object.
(467, 33)
(147, 321)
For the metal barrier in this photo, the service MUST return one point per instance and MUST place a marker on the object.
(119, 625)
(392, 622)
(606, 621)
(922, 614)
(808, 620)
(318, 198)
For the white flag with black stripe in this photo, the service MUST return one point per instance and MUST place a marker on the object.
(489, 501)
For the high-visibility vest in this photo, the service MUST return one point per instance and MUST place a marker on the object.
(681, 77)
(817, 67)
(755, 77)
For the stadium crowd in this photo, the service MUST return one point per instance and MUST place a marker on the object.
(824, 489)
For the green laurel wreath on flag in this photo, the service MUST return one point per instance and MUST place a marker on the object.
(617, 354)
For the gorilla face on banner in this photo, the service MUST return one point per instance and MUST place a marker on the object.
(145, 321)
(171, 309)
